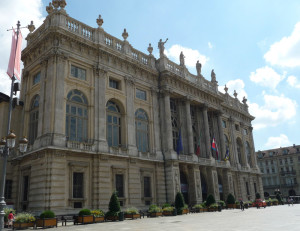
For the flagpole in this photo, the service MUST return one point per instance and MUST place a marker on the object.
(6, 149)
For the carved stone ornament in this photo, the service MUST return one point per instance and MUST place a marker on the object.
(150, 49)
(31, 27)
(49, 8)
(226, 89)
(125, 34)
(55, 3)
(235, 94)
(63, 3)
(244, 100)
(99, 21)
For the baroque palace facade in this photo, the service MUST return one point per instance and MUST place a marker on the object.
(102, 116)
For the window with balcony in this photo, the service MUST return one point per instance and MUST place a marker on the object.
(113, 122)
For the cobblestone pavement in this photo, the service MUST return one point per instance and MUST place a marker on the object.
(286, 218)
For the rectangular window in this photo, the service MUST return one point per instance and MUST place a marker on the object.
(8, 189)
(114, 84)
(268, 171)
(280, 161)
(147, 186)
(77, 184)
(273, 170)
(37, 78)
(245, 132)
(224, 125)
(78, 72)
(267, 162)
(255, 190)
(25, 187)
(237, 128)
(140, 94)
(291, 160)
(120, 185)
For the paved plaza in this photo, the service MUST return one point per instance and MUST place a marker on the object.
(283, 218)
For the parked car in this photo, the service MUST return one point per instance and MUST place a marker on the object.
(259, 203)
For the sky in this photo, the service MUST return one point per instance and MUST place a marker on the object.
(252, 45)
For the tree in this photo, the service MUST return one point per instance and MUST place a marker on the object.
(210, 200)
(114, 204)
(179, 202)
(230, 199)
(257, 196)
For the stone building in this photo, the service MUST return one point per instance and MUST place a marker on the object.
(102, 116)
(280, 170)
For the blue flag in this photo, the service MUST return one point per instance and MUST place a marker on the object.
(179, 147)
(227, 155)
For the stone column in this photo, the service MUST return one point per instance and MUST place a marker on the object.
(221, 135)
(212, 181)
(245, 159)
(233, 143)
(206, 130)
(253, 155)
(156, 136)
(189, 127)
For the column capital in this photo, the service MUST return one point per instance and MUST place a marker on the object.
(166, 90)
(98, 70)
(231, 120)
(129, 79)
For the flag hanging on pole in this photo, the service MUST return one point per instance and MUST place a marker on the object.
(15, 56)
(179, 147)
(227, 154)
(215, 147)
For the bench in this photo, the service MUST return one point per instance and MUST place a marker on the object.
(65, 218)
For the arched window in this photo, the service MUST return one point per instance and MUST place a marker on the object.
(248, 153)
(141, 126)
(239, 150)
(76, 116)
(113, 134)
(34, 119)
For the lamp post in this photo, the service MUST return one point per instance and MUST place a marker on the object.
(9, 143)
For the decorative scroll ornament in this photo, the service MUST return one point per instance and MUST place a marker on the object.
(49, 8)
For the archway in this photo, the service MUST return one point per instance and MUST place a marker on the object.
(204, 188)
(184, 187)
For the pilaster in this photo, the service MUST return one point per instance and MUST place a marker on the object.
(206, 131)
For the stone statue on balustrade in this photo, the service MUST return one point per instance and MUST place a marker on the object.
(213, 76)
(198, 68)
(161, 47)
(181, 59)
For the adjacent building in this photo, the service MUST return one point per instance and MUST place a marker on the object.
(102, 116)
(280, 170)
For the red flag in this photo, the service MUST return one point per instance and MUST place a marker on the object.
(15, 56)
(215, 147)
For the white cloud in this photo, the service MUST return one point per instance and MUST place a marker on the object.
(210, 46)
(237, 85)
(276, 110)
(11, 11)
(277, 142)
(293, 81)
(267, 77)
(286, 52)
(191, 56)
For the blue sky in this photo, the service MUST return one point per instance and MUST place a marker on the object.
(253, 46)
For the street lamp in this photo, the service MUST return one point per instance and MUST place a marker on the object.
(10, 141)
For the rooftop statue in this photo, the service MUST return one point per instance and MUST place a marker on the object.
(161, 47)
(213, 76)
(198, 68)
(181, 59)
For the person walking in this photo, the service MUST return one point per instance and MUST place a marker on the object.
(10, 219)
(242, 205)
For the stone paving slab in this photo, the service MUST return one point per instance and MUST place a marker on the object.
(283, 218)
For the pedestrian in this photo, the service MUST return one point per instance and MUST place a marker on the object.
(242, 205)
(10, 218)
(292, 201)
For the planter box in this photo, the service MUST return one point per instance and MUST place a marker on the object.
(158, 214)
(98, 219)
(46, 222)
(84, 219)
(168, 213)
(231, 206)
(22, 225)
(132, 216)
(185, 211)
(204, 209)
(112, 218)
(212, 209)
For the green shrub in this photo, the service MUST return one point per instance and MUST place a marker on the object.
(24, 218)
(114, 204)
(198, 206)
(222, 203)
(84, 212)
(97, 213)
(6, 212)
(168, 209)
(179, 203)
(131, 211)
(47, 214)
(154, 209)
(214, 205)
(230, 199)
(166, 205)
(210, 200)
(257, 196)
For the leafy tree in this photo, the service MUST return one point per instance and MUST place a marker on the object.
(210, 200)
(257, 196)
(179, 202)
(230, 199)
(114, 204)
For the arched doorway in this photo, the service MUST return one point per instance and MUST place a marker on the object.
(292, 192)
(221, 188)
(184, 187)
(204, 188)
